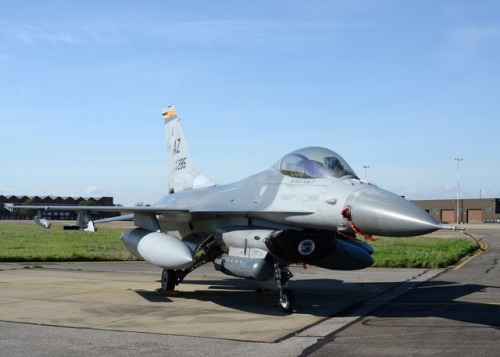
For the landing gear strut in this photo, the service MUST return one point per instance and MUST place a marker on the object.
(205, 252)
(287, 298)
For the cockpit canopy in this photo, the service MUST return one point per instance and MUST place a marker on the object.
(314, 162)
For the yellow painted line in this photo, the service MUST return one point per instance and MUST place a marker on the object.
(442, 303)
(482, 246)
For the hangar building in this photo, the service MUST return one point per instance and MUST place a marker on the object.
(477, 210)
(53, 200)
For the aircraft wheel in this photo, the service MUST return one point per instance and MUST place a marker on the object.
(287, 301)
(168, 279)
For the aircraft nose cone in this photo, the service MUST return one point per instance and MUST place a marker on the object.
(378, 212)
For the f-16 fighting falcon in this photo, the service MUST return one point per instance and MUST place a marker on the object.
(308, 208)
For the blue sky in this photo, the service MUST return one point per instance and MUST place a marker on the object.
(401, 86)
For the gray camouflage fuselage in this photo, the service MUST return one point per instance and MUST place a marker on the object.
(270, 199)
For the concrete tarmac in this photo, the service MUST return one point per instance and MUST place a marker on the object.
(112, 309)
(457, 313)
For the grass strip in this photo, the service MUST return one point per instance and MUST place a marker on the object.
(421, 252)
(23, 242)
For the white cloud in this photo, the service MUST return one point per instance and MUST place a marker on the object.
(29, 34)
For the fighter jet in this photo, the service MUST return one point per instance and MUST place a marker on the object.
(308, 208)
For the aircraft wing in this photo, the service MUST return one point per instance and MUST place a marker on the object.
(153, 210)
(142, 214)
(121, 209)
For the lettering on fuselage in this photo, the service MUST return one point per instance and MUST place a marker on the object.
(302, 181)
(310, 198)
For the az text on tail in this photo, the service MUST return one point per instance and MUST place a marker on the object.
(182, 175)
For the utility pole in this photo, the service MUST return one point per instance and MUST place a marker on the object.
(366, 167)
(458, 160)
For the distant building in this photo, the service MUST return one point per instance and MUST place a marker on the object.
(480, 210)
(55, 201)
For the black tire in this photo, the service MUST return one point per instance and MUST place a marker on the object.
(287, 303)
(168, 280)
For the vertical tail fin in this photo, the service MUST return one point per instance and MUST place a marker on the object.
(182, 175)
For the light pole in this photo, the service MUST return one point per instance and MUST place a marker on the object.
(366, 167)
(458, 160)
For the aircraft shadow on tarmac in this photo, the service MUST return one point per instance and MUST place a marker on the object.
(444, 300)
(316, 297)
(329, 297)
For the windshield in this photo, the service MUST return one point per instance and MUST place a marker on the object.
(314, 162)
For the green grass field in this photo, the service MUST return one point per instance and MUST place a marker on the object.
(421, 252)
(27, 242)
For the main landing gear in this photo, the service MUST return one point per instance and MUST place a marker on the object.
(168, 280)
(287, 297)
(171, 278)
(205, 252)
